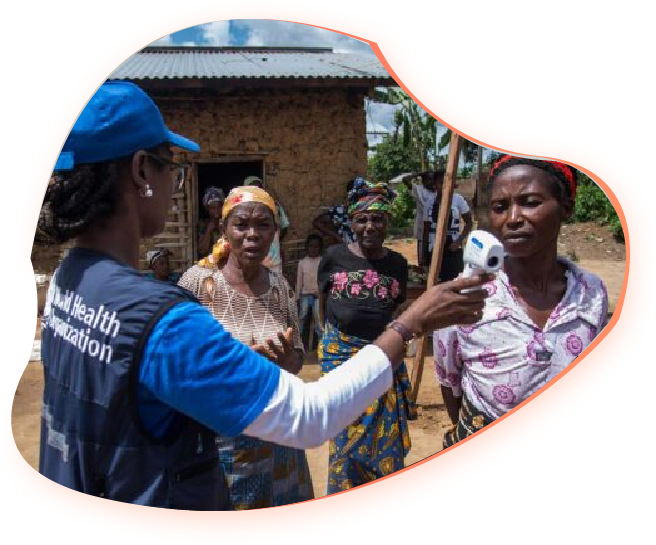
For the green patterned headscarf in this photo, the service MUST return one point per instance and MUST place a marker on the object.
(367, 195)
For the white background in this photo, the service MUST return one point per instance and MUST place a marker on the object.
(566, 80)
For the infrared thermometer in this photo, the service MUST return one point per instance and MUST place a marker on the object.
(483, 254)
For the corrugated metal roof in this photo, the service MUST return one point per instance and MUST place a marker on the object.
(256, 63)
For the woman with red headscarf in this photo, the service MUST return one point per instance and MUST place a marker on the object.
(542, 312)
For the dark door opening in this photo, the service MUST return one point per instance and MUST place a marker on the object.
(225, 176)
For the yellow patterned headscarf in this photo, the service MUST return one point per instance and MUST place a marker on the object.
(237, 196)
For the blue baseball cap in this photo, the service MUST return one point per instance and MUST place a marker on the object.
(119, 120)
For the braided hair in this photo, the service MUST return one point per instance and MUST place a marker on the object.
(77, 199)
(563, 176)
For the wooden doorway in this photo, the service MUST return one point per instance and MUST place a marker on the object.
(224, 174)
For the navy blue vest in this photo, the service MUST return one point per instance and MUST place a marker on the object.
(98, 315)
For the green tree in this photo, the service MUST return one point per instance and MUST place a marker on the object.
(390, 159)
(415, 127)
(403, 210)
(592, 204)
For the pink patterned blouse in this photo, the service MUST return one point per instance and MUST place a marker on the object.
(505, 358)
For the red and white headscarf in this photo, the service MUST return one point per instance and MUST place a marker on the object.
(564, 173)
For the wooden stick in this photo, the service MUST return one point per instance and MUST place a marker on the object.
(438, 250)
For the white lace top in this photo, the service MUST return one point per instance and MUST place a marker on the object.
(250, 319)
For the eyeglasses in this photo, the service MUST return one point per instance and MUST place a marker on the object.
(178, 170)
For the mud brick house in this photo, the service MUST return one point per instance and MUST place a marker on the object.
(293, 116)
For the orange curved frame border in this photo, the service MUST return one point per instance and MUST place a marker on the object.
(561, 397)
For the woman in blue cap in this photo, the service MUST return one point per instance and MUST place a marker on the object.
(138, 376)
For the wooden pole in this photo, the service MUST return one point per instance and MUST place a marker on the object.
(481, 204)
(438, 249)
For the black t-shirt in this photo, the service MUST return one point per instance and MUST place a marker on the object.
(361, 294)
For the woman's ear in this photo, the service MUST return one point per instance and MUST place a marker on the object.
(138, 170)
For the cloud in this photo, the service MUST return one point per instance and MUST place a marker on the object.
(380, 121)
(217, 33)
(380, 115)
(263, 33)
(280, 33)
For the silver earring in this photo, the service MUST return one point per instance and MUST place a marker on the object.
(146, 192)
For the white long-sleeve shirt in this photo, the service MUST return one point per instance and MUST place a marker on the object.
(192, 365)
(305, 415)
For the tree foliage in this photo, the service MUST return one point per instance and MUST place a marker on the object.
(592, 204)
(415, 129)
(412, 147)
(403, 209)
(391, 159)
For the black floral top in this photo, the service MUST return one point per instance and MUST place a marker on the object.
(361, 294)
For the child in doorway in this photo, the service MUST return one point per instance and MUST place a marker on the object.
(307, 289)
(158, 261)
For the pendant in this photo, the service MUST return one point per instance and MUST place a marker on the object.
(542, 355)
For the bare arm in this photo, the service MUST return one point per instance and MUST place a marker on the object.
(452, 403)
(205, 243)
(469, 223)
(322, 309)
(299, 281)
(466, 215)
(407, 180)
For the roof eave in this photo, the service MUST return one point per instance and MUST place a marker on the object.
(260, 82)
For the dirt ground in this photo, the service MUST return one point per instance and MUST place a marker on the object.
(589, 242)
(595, 250)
